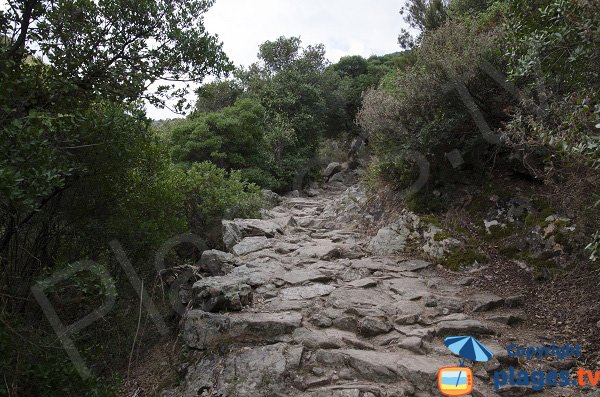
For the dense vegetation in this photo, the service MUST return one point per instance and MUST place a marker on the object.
(82, 165)
(504, 84)
(267, 120)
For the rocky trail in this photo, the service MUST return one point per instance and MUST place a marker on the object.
(301, 306)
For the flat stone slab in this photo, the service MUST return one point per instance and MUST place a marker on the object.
(306, 292)
(251, 244)
(222, 293)
(302, 276)
(203, 330)
(344, 298)
(363, 283)
(414, 265)
(243, 372)
(372, 365)
(320, 249)
(327, 339)
(459, 327)
(487, 302)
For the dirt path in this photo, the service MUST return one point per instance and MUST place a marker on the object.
(305, 310)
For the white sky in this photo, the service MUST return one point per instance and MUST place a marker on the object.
(346, 27)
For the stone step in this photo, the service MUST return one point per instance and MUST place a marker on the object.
(203, 330)
(387, 367)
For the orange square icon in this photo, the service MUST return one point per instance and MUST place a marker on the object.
(455, 381)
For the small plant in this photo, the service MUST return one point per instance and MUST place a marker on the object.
(594, 247)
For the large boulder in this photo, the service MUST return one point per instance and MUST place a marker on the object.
(251, 244)
(216, 263)
(271, 198)
(389, 240)
(215, 294)
(203, 330)
(245, 372)
(236, 230)
(331, 169)
(231, 234)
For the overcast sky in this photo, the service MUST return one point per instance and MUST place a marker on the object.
(346, 27)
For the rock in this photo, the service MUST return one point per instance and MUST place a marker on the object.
(302, 276)
(327, 339)
(389, 241)
(508, 319)
(234, 231)
(203, 330)
(412, 343)
(431, 301)
(214, 294)
(216, 263)
(306, 292)
(414, 265)
(514, 301)
(465, 282)
(244, 373)
(258, 227)
(487, 302)
(231, 234)
(338, 177)
(251, 244)
(271, 199)
(373, 326)
(285, 248)
(435, 247)
(314, 339)
(346, 323)
(380, 366)
(459, 327)
(364, 283)
(550, 230)
(320, 249)
(331, 169)
(310, 192)
(321, 320)
(407, 319)
(285, 221)
(489, 224)
(515, 391)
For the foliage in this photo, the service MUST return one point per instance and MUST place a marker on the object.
(213, 194)
(594, 247)
(423, 16)
(553, 49)
(231, 138)
(425, 107)
(115, 48)
(80, 165)
(216, 96)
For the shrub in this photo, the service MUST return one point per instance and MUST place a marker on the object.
(419, 109)
(213, 194)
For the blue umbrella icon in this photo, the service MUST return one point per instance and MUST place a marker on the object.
(468, 347)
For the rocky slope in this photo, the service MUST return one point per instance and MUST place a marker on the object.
(305, 304)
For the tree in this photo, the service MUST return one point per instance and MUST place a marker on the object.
(79, 165)
(217, 95)
(113, 48)
(422, 16)
(292, 84)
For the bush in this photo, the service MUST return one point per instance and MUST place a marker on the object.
(231, 138)
(419, 108)
(213, 194)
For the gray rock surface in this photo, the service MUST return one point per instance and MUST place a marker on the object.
(308, 305)
(331, 169)
(216, 263)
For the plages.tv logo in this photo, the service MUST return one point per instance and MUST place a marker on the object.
(458, 381)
